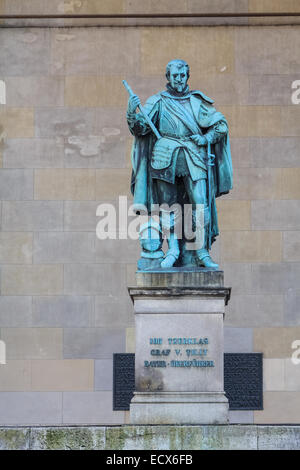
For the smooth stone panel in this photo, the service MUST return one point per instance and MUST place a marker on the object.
(270, 89)
(64, 247)
(130, 340)
(251, 246)
(253, 121)
(112, 183)
(266, 51)
(117, 251)
(62, 311)
(16, 185)
(17, 122)
(291, 307)
(292, 375)
(80, 216)
(240, 417)
(33, 153)
(274, 375)
(274, 6)
(238, 340)
(15, 376)
(65, 123)
(90, 407)
(275, 215)
(290, 183)
(255, 183)
(103, 374)
(278, 152)
(24, 52)
(275, 342)
(238, 275)
(122, 56)
(113, 311)
(135, 6)
(65, 184)
(215, 6)
(279, 407)
(240, 152)
(84, 42)
(233, 215)
(275, 278)
(98, 279)
(16, 247)
(93, 343)
(291, 246)
(62, 375)
(35, 91)
(15, 311)
(32, 279)
(29, 408)
(33, 343)
(94, 91)
(255, 311)
(32, 215)
(290, 121)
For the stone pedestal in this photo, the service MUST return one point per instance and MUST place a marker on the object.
(179, 371)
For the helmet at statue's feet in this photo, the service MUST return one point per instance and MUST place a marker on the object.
(168, 261)
(207, 262)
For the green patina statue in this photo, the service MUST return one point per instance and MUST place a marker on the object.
(181, 155)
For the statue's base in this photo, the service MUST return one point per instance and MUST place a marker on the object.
(179, 347)
(179, 408)
(151, 437)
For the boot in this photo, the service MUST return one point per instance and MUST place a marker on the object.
(172, 253)
(168, 223)
(204, 259)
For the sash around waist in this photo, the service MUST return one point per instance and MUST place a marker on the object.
(165, 147)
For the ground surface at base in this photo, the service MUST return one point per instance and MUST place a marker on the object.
(126, 437)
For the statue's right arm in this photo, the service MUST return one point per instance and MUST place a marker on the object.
(137, 124)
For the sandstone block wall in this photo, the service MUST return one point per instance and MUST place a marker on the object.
(65, 148)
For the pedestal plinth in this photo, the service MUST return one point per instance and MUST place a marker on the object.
(179, 371)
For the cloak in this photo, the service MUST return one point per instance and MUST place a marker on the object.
(143, 186)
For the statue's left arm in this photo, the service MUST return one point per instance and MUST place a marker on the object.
(216, 132)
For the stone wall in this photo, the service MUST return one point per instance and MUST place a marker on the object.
(232, 437)
(65, 148)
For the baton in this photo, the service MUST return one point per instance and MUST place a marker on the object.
(152, 126)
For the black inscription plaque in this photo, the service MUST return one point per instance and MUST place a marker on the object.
(243, 380)
(123, 380)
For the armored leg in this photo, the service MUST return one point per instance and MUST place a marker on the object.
(197, 193)
(169, 217)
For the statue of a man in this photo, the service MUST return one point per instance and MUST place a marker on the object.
(190, 163)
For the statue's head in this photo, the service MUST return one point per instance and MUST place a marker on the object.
(177, 73)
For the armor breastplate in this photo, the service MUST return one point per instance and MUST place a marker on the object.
(170, 125)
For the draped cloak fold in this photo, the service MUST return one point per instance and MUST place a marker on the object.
(143, 186)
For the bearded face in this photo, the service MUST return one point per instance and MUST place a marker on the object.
(178, 78)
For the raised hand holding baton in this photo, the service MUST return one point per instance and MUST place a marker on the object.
(151, 125)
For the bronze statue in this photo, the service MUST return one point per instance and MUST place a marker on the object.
(181, 155)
